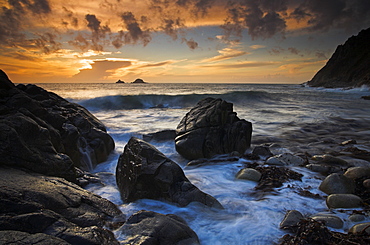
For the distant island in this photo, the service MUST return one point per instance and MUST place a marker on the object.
(139, 80)
(120, 81)
(349, 66)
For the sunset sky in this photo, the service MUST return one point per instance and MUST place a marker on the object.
(232, 41)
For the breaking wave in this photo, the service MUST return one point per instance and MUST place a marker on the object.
(146, 101)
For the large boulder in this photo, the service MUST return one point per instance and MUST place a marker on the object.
(144, 172)
(212, 128)
(45, 133)
(32, 203)
(147, 227)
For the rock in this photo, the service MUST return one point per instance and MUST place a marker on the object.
(45, 133)
(356, 217)
(36, 203)
(147, 227)
(144, 172)
(138, 80)
(357, 172)
(333, 160)
(120, 81)
(324, 169)
(262, 150)
(5, 83)
(212, 128)
(366, 183)
(337, 184)
(359, 228)
(365, 97)
(291, 218)
(24, 238)
(348, 66)
(285, 159)
(249, 174)
(164, 135)
(330, 220)
(343, 201)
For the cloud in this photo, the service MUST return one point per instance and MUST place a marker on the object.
(257, 46)
(294, 50)
(245, 64)
(191, 43)
(321, 15)
(225, 54)
(100, 70)
(135, 33)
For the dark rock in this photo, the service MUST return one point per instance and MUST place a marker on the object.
(5, 83)
(343, 201)
(164, 135)
(43, 132)
(212, 128)
(139, 80)
(147, 227)
(337, 184)
(144, 172)
(348, 66)
(120, 81)
(263, 151)
(366, 97)
(35, 203)
(24, 238)
(291, 218)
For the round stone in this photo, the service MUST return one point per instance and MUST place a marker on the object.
(249, 174)
(343, 201)
(291, 218)
(337, 184)
(330, 220)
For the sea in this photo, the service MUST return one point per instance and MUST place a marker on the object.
(289, 118)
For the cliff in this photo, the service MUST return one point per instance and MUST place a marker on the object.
(349, 66)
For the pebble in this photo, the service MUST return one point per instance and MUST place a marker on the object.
(285, 159)
(356, 217)
(360, 227)
(330, 220)
(291, 218)
(366, 183)
(357, 172)
(249, 174)
(337, 184)
(343, 201)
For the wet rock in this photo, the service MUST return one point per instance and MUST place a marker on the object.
(357, 172)
(35, 203)
(212, 128)
(164, 135)
(249, 174)
(147, 227)
(323, 169)
(343, 201)
(327, 159)
(24, 238)
(360, 228)
(285, 159)
(337, 184)
(144, 172)
(45, 133)
(366, 183)
(356, 217)
(291, 218)
(263, 151)
(330, 220)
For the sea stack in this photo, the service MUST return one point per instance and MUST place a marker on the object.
(349, 66)
(139, 80)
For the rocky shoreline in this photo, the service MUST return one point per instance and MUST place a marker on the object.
(49, 145)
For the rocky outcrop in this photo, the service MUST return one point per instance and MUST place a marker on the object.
(37, 204)
(147, 227)
(212, 128)
(45, 133)
(349, 66)
(144, 172)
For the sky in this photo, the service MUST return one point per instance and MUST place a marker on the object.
(174, 41)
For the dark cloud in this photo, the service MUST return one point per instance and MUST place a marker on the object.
(239, 65)
(47, 43)
(72, 19)
(80, 42)
(294, 50)
(191, 43)
(321, 55)
(134, 34)
(262, 18)
(322, 15)
(276, 51)
(98, 32)
(170, 27)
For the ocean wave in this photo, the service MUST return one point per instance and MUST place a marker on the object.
(147, 101)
